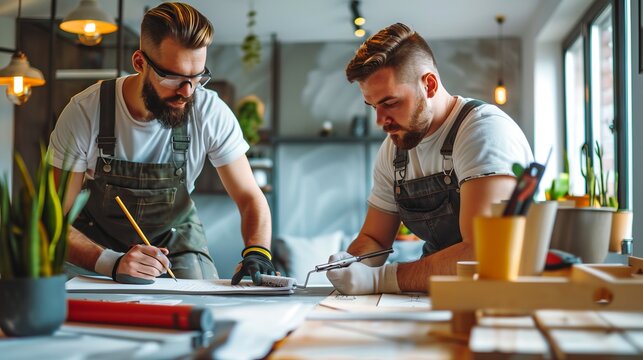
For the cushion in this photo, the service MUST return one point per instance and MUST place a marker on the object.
(295, 256)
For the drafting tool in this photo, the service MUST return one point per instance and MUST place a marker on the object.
(282, 281)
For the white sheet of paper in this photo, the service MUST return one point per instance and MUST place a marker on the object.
(258, 327)
(404, 300)
(169, 286)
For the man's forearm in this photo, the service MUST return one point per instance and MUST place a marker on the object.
(82, 251)
(256, 227)
(414, 276)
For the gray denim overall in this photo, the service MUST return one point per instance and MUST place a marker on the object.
(155, 195)
(430, 206)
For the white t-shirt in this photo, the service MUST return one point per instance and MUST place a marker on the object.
(213, 128)
(488, 142)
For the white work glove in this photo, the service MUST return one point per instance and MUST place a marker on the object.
(360, 279)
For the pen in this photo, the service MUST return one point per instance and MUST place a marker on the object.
(140, 232)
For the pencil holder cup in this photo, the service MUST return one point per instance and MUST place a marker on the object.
(32, 306)
(538, 228)
(498, 242)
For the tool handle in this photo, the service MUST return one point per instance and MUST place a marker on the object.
(336, 264)
(182, 317)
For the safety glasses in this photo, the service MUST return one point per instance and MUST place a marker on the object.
(174, 81)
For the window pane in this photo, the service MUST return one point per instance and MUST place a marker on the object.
(575, 113)
(602, 80)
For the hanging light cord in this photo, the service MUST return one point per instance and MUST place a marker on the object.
(500, 19)
(18, 25)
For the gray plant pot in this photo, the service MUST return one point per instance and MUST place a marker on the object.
(31, 307)
(584, 232)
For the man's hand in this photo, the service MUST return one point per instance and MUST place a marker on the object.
(143, 262)
(360, 279)
(256, 261)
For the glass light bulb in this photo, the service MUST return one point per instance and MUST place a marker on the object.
(18, 84)
(19, 98)
(500, 95)
(360, 32)
(359, 21)
(89, 28)
(90, 39)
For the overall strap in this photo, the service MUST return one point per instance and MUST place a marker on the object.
(180, 146)
(106, 140)
(400, 163)
(447, 147)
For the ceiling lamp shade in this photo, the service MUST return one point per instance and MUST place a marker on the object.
(20, 77)
(90, 22)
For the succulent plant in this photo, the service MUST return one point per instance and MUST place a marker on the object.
(33, 227)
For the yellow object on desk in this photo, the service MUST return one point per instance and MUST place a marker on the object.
(139, 231)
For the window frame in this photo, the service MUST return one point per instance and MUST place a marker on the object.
(582, 29)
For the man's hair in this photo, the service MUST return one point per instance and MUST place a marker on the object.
(397, 47)
(179, 21)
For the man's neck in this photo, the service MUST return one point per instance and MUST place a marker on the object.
(132, 94)
(443, 105)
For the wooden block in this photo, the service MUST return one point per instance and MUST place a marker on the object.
(637, 264)
(552, 319)
(531, 293)
(575, 344)
(623, 320)
(509, 343)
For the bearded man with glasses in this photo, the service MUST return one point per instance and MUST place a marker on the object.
(145, 138)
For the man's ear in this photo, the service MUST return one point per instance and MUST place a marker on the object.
(430, 84)
(138, 61)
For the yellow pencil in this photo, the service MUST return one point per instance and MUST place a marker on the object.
(139, 231)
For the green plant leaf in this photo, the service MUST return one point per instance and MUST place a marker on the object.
(6, 262)
(52, 212)
(517, 169)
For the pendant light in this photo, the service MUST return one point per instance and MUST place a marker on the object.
(90, 22)
(358, 19)
(19, 76)
(500, 93)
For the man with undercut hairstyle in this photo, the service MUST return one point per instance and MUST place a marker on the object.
(145, 138)
(446, 160)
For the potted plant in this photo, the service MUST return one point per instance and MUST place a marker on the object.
(250, 110)
(585, 229)
(621, 218)
(33, 246)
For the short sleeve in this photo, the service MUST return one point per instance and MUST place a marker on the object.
(69, 142)
(489, 143)
(226, 139)
(382, 197)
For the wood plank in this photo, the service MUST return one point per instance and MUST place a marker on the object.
(532, 293)
(588, 344)
(509, 343)
(548, 319)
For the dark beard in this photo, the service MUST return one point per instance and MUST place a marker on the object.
(168, 116)
(418, 127)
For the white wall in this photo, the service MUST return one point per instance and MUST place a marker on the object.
(7, 39)
(543, 79)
